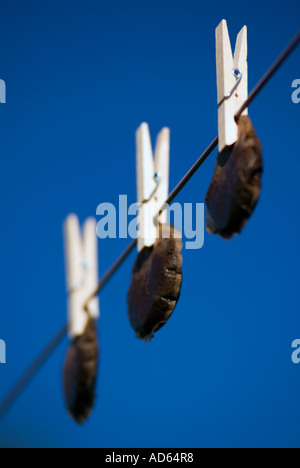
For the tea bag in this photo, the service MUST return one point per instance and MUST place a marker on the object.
(80, 373)
(156, 283)
(235, 189)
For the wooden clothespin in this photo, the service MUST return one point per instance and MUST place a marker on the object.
(232, 82)
(152, 181)
(82, 272)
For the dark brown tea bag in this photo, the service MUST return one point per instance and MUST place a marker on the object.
(235, 189)
(80, 373)
(156, 284)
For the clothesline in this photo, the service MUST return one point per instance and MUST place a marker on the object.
(260, 85)
(30, 373)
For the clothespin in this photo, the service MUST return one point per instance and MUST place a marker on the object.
(152, 182)
(81, 254)
(232, 82)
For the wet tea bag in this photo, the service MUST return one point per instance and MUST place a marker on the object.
(235, 188)
(156, 283)
(80, 373)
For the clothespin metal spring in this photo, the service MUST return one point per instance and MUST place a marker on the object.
(85, 267)
(157, 177)
(238, 75)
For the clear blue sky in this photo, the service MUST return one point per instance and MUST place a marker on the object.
(81, 76)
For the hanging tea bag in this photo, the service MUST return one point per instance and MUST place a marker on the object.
(156, 283)
(235, 189)
(80, 373)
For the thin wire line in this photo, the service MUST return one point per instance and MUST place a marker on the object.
(256, 90)
(171, 197)
(272, 70)
(112, 270)
(191, 172)
(22, 383)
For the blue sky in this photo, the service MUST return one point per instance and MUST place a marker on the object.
(81, 76)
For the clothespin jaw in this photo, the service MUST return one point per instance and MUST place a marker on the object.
(232, 82)
(81, 254)
(152, 181)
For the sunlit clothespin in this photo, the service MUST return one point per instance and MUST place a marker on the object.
(81, 254)
(152, 181)
(232, 82)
